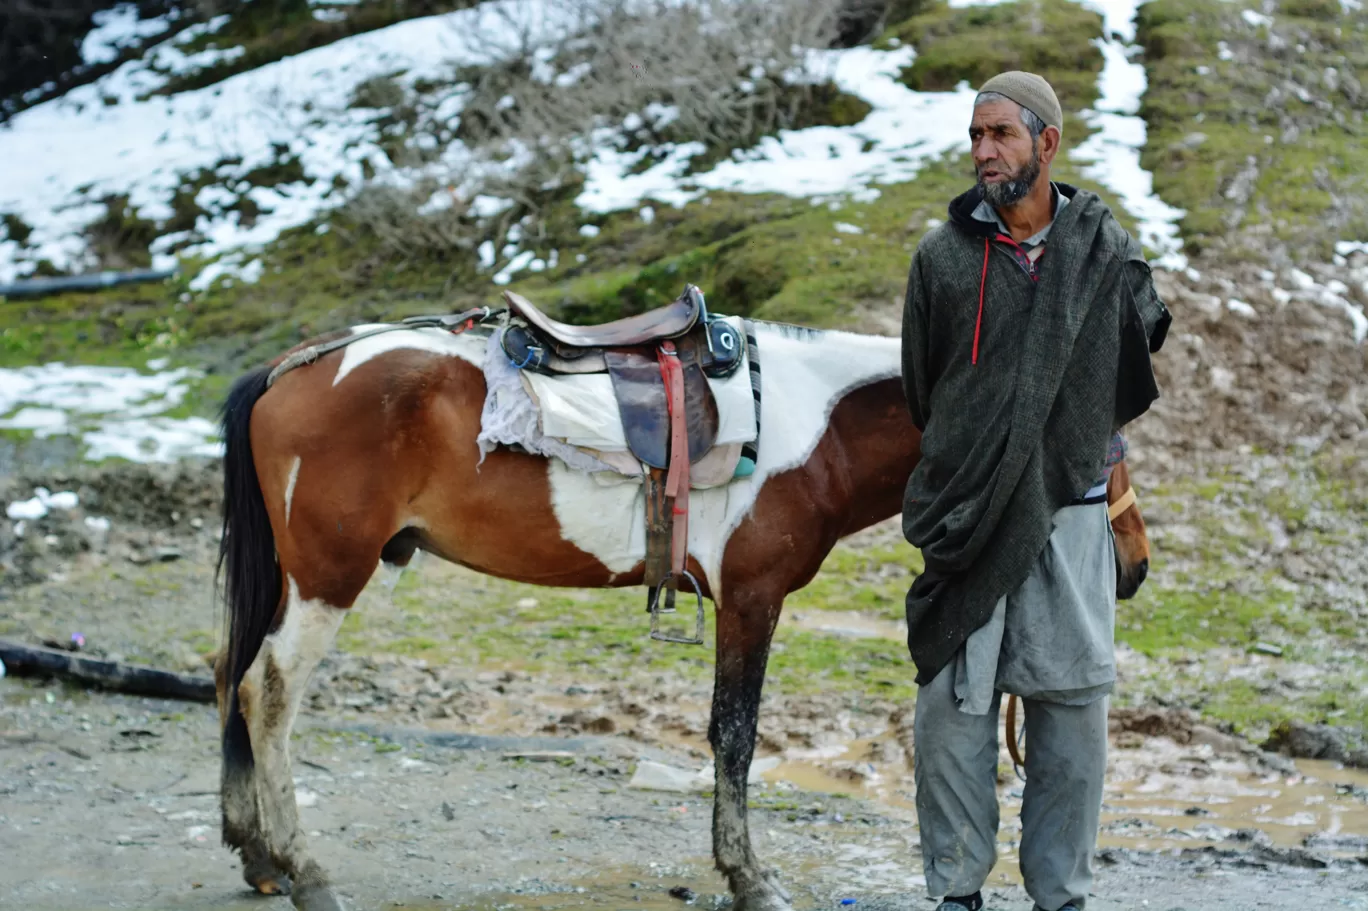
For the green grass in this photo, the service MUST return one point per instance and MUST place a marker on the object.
(1207, 603)
(1050, 37)
(1210, 119)
(762, 255)
(605, 632)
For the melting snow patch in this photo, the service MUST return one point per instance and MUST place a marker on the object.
(515, 265)
(1114, 150)
(116, 29)
(845, 228)
(1240, 307)
(301, 104)
(148, 142)
(43, 502)
(1255, 19)
(903, 131)
(115, 411)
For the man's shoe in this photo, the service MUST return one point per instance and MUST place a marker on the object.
(963, 903)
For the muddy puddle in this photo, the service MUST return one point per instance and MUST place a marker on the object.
(1161, 795)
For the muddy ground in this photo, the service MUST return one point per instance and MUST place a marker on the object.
(109, 801)
(407, 782)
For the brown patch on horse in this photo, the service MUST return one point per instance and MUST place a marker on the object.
(388, 456)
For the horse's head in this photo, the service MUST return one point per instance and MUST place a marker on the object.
(1128, 527)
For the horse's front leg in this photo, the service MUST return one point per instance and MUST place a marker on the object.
(745, 624)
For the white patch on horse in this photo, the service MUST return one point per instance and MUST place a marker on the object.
(290, 486)
(293, 651)
(803, 376)
(467, 346)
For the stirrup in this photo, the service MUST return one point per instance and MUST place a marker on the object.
(653, 606)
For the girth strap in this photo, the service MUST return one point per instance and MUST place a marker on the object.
(677, 482)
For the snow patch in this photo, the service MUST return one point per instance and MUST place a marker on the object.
(116, 29)
(115, 411)
(1114, 150)
(43, 502)
(148, 142)
(904, 130)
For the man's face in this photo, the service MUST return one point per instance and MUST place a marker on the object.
(1006, 158)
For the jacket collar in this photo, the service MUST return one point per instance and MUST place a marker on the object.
(962, 209)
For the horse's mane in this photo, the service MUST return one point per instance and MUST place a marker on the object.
(789, 330)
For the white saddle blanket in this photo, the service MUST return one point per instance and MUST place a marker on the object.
(582, 410)
(576, 419)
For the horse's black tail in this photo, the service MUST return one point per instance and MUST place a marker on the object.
(252, 582)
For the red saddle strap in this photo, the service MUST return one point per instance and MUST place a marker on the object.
(677, 481)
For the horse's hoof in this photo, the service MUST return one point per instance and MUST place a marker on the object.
(315, 898)
(772, 879)
(266, 878)
(769, 897)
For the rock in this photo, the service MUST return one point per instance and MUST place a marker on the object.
(1309, 741)
(589, 722)
(1251, 836)
(1175, 724)
(1220, 743)
(1336, 841)
(1268, 648)
(684, 894)
(656, 776)
(1292, 857)
(541, 755)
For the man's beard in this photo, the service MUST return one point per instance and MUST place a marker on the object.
(1008, 193)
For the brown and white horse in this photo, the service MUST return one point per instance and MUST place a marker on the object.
(370, 453)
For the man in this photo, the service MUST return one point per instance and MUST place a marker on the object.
(1028, 326)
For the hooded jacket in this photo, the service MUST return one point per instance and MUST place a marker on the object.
(1018, 376)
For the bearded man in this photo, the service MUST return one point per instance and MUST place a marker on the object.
(1028, 326)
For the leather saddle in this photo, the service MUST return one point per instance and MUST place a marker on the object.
(659, 363)
(628, 350)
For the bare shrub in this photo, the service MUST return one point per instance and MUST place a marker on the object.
(721, 64)
(424, 219)
(721, 73)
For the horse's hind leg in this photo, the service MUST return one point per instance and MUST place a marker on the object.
(745, 626)
(270, 693)
(241, 825)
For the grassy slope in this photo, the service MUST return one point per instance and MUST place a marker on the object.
(768, 256)
(1263, 148)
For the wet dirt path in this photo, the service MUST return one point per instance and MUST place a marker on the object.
(109, 801)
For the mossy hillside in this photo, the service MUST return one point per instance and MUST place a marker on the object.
(1247, 556)
(764, 255)
(1051, 37)
(1256, 128)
